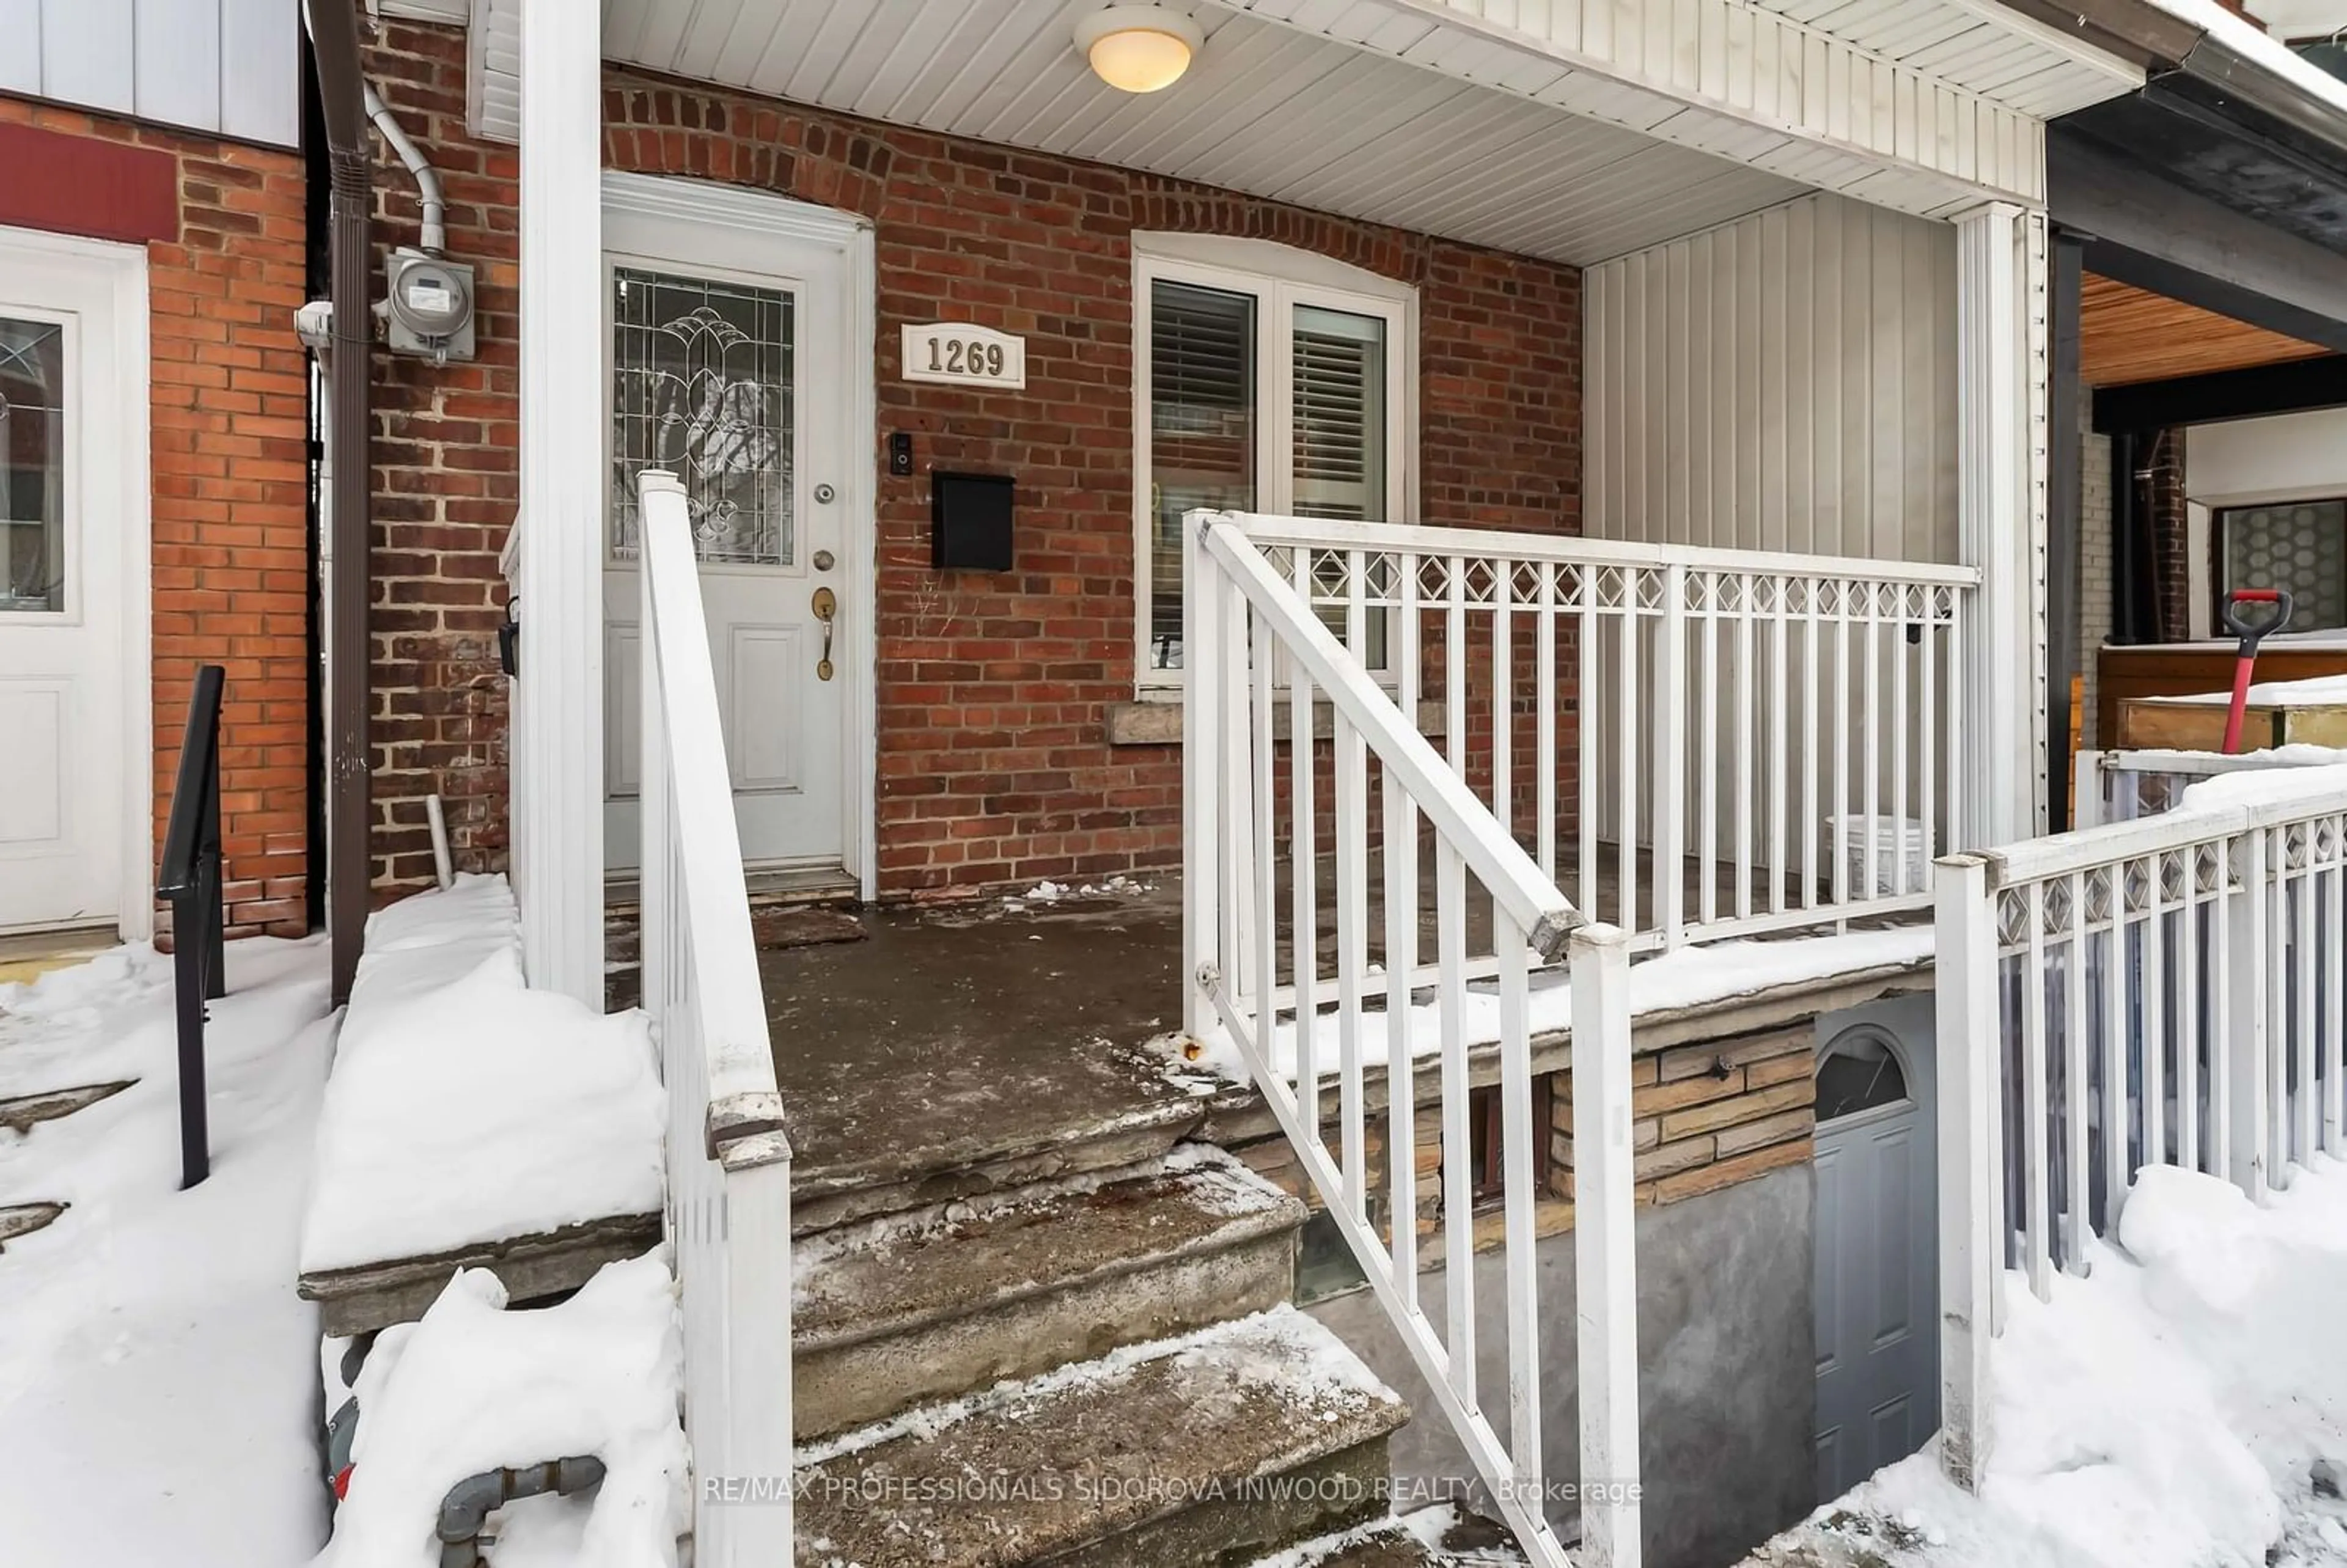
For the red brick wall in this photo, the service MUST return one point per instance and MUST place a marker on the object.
(994, 688)
(228, 414)
(2167, 519)
(446, 481)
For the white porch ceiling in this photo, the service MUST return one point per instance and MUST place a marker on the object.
(1267, 109)
(1572, 130)
(1754, 83)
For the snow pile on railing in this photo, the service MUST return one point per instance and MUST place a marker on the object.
(2275, 786)
(464, 1107)
(473, 1388)
(2184, 1405)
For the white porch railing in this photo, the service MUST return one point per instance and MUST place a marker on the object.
(1259, 656)
(2162, 992)
(1785, 733)
(729, 1163)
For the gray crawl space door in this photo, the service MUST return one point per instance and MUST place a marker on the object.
(1877, 1247)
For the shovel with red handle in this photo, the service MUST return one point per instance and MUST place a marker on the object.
(2251, 633)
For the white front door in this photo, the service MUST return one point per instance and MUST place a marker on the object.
(727, 353)
(72, 397)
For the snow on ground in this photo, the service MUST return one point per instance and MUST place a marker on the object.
(1691, 977)
(473, 1388)
(2184, 1406)
(1049, 893)
(158, 1374)
(466, 1108)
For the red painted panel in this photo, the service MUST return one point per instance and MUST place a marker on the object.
(79, 185)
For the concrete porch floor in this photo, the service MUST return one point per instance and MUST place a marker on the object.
(950, 1039)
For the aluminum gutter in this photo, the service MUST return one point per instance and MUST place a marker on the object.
(2208, 45)
(2268, 74)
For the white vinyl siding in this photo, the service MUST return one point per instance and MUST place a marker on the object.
(1786, 382)
(229, 66)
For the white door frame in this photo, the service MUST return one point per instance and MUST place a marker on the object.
(129, 478)
(761, 212)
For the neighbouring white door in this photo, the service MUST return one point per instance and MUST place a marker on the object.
(726, 355)
(72, 400)
(1877, 1292)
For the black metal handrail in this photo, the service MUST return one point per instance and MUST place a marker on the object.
(191, 878)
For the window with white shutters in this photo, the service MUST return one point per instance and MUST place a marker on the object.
(1202, 431)
(1339, 430)
(1267, 393)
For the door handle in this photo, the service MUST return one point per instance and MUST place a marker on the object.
(826, 609)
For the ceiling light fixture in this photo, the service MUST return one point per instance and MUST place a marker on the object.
(1138, 48)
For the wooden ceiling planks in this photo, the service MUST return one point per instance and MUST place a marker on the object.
(2129, 335)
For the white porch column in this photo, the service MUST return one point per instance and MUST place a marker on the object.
(558, 723)
(2001, 462)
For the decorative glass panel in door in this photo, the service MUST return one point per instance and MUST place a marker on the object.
(32, 465)
(701, 387)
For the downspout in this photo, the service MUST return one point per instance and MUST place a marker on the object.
(342, 92)
(434, 242)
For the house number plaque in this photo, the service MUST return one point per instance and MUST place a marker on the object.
(960, 356)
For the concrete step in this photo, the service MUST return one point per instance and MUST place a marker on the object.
(1211, 1449)
(895, 1312)
(1440, 1537)
(1388, 1543)
(1059, 1129)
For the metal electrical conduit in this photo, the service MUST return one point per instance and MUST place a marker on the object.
(434, 238)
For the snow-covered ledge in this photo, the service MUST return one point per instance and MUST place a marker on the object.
(471, 1121)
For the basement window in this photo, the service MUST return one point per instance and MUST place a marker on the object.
(1490, 1143)
(1271, 380)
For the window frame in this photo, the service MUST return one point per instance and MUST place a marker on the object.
(2220, 546)
(1487, 1180)
(1278, 277)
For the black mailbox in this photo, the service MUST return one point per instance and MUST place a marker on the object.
(969, 522)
